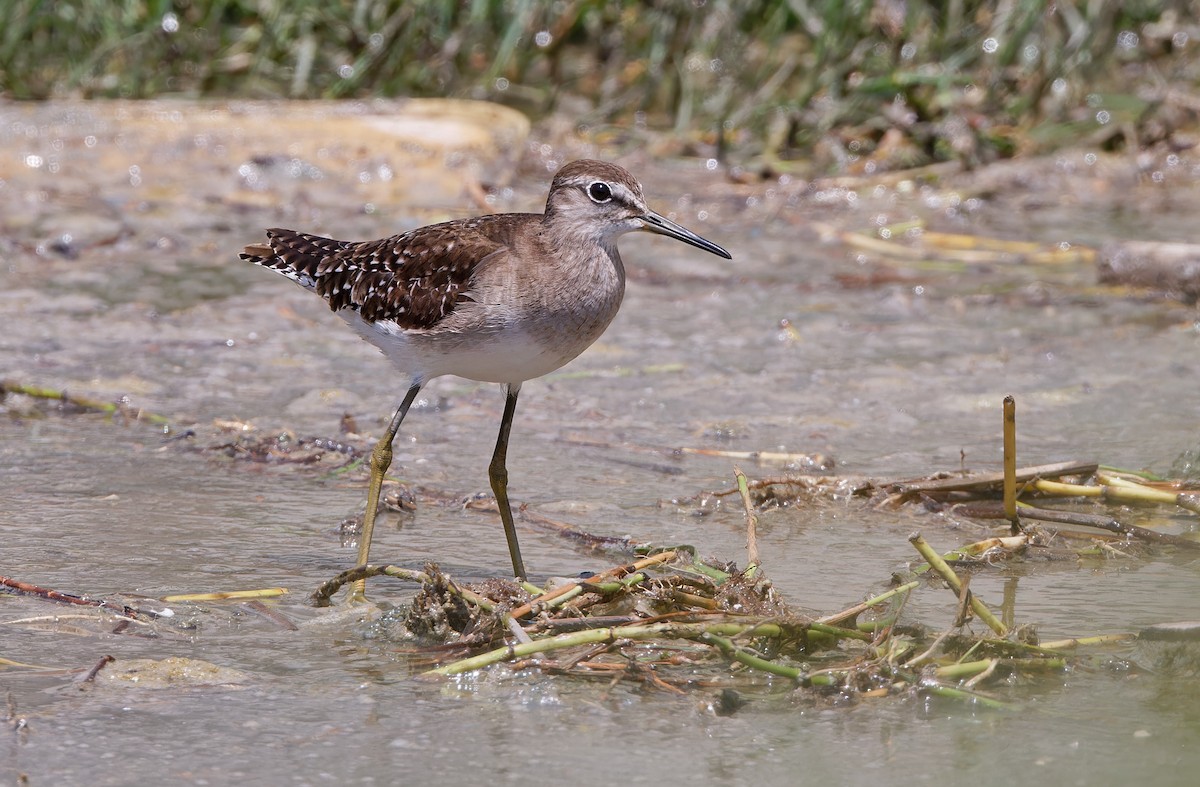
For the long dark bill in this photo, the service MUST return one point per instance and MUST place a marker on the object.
(661, 226)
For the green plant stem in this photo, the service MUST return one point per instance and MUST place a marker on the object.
(87, 403)
(742, 656)
(638, 632)
(940, 566)
(752, 561)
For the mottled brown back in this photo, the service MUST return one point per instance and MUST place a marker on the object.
(415, 279)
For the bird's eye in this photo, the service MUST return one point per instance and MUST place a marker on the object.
(600, 192)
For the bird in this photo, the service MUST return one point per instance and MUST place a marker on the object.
(499, 298)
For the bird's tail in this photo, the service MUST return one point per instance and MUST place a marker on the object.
(297, 255)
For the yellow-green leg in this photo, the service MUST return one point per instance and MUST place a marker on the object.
(381, 460)
(498, 475)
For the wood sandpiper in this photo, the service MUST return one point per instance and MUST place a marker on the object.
(502, 298)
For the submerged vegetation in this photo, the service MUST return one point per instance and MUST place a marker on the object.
(666, 620)
(908, 82)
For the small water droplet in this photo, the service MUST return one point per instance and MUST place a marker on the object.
(1127, 39)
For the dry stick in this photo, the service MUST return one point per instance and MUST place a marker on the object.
(90, 675)
(1078, 642)
(225, 595)
(567, 625)
(835, 677)
(1106, 523)
(809, 482)
(35, 667)
(693, 600)
(964, 602)
(577, 587)
(1123, 494)
(978, 549)
(588, 637)
(1125, 490)
(111, 408)
(815, 460)
(276, 617)
(1008, 606)
(25, 588)
(751, 523)
(927, 654)
(742, 656)
(968, 249)
(587, 655)
(1107, 490)
(984, 480)
(943, 569)
(1119, 490)
(637, 633)
(963, 695)
(1010, 464)
(320, 597)
(545, 602)
(838, 617)
(1026, 250)
(588, 540)
(982, 676)
(515, 629)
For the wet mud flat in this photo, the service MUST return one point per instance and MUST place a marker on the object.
(847, 342)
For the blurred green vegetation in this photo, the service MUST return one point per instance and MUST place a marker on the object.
(913, 81)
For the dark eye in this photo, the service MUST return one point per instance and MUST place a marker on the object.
(600, 192)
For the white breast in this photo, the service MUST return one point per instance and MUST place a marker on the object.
(506, 355)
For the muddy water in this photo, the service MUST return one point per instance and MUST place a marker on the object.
(892, 368)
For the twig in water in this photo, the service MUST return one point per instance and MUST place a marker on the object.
(1120, 490)
(320, 597)
(90, 675)
(589, 541)
(518, 633)
(1010, 464)
(751, 523)
(84, 402)
(929, 652)
(743, 656)
(962, 616)
(225, 595)
(940, 566)
(1107, 523)
(272, 615)
(854, 611)
(988, 480)
(813, 461)
(576, 587)
(987, 673)
(27, 589)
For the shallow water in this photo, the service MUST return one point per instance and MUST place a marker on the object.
(147, 300)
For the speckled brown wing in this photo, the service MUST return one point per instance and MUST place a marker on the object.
(415, 279)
